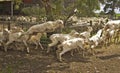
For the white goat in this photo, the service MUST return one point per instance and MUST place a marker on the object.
(69, 45)
(59, 38)
(113, 24)
(116, 36)
(15, 37)
(111, 29)
(96, 39)
(12, 36)
(49, 26)
(3, 37)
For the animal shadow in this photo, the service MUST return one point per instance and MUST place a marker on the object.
(109, 56)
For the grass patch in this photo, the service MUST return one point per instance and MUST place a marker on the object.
(118, 15)
(8, 69)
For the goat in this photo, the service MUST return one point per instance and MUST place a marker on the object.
(49, 26)
(59, 38)
(116, 35)
(11, 37)
(113, 24)
(46, 27)
(96, 39)
(86, 34)
(36, 40)
(69, 45)
(3, 37)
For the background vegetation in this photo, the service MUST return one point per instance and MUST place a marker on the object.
(53, 9)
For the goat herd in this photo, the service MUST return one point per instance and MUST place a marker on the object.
(73, 41)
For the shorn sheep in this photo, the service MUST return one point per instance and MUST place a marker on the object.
(69, 45)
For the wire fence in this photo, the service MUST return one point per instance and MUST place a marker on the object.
(24, 25)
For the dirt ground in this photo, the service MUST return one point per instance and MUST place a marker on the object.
(104, 61)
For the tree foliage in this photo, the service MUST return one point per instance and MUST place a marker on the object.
(87, 7)
(34, 11)
(110, 6)
(17, 4)
(62, 8)
(65, 7)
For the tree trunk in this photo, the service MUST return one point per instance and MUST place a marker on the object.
(48, 10)
(112, 12)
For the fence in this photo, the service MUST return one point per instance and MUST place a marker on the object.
(24, 25)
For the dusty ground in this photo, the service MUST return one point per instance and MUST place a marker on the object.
(105, 61)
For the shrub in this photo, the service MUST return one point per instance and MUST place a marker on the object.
(34, 10)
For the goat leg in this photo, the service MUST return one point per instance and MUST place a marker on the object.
(48, 49)
(25, 43)
(6, 45)
(50, 45)
(41, 45)
(72, 53)
(36, 45)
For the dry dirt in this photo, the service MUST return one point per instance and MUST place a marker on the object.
(104, 61)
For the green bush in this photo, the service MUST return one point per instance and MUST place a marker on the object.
(34, 10)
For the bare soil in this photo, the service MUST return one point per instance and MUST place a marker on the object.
(104, 61)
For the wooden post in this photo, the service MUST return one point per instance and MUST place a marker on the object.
(71, 14)
(11, 15)
(12, 8)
